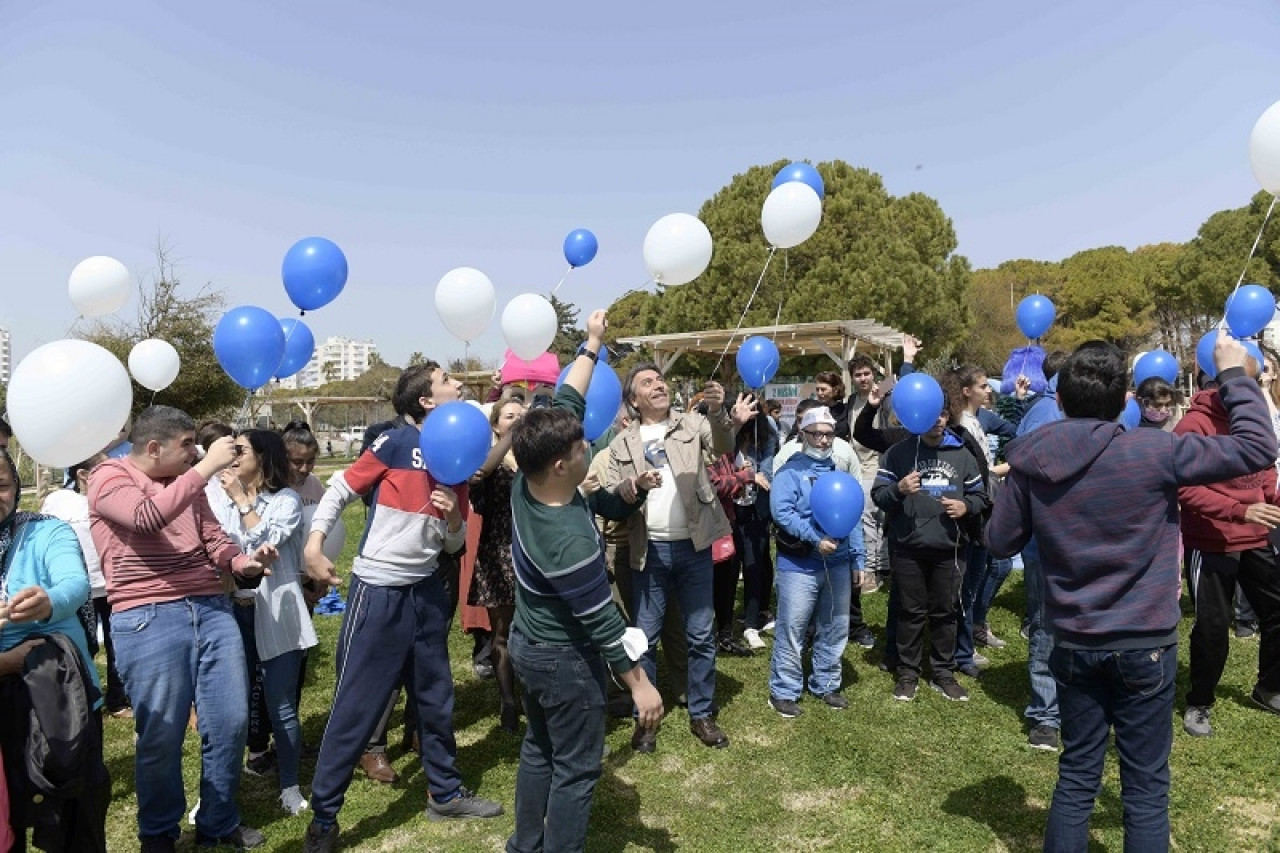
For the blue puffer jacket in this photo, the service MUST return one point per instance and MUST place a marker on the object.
(789, 503)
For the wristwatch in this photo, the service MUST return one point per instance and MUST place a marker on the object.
(582, 350)
(245, 510)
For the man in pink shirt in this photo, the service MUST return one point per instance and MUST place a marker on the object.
(164, 556)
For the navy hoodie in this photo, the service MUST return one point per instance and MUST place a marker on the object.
(1103, 506)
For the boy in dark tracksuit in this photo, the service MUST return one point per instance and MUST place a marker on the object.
(928, 486)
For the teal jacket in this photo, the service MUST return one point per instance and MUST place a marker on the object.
(46, 553)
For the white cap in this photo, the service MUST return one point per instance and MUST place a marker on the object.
(817, 415)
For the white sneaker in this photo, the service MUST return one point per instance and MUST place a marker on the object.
(770, 625)
(752, 636)
(292, 800)
(191, 818)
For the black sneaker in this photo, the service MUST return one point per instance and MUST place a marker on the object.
(1044, 737)
(834, 699)
(262, 764)
(158, 844)
(788, 708)
(320, 839)
(729, 645)
(1246, 630)
(905, 689)
(951, 689)
(972, 670)
(242, 838)
(466, 804)
(863, 637)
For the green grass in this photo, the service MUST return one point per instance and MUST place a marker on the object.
(884, 775)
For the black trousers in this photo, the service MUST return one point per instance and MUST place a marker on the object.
(928, 585)
(1212, 578)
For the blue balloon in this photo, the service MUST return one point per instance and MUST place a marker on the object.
(1035, 315)
(580, 247)
(604, 397)
(1204, 352)
(1132, 414)
(314, 272)
(455, 439)
(1155, 363)
(1249, 310)
(836, 501)
(917, 401)
(299, 345)
(802, 172)
(249, 344)
(758, 361)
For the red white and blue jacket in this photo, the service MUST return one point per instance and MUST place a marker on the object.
(404, 534)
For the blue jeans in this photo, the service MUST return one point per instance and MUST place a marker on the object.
(1131, 692)
(560, 757)
(983, 577)
(676, 569)
(171, 655)
(1042, 710)
(823, 597)
(280, 682)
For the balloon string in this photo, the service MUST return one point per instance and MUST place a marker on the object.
(1256, 240)
(562, 278)
(777, 318)
(242, 417)
(729, 343)
(153, 398)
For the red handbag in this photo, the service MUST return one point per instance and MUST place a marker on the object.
(722, 549)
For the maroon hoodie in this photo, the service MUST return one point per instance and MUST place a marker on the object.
(1213, 516)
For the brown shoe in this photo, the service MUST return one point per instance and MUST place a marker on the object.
(644, 739)
(706, 730)
(377, 768)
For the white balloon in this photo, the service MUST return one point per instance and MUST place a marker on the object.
(465, 301)
(529, 324)
(677, 249)
(790, 214)
(334, 541)
(67, 401)
(154, 364)
(1264, 149)
(99, 286)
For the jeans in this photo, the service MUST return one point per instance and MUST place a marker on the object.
(560, 757)
(1214, 577)
(823, 597)
(116, 698)
(874, 541)
(751, 538)
(1131, 692)
(1042, 710)
(170, 655)
(983, 577)
(259, 737)
(675, 569)
(280, 688)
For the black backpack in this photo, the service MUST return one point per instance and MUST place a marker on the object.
(62, 696)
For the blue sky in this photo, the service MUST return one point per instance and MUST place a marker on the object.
(421, 139)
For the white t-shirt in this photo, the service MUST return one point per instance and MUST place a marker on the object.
(664, 511)
(73, 508)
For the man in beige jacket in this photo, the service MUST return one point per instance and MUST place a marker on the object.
(670, 541)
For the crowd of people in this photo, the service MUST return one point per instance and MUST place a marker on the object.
(199, 553)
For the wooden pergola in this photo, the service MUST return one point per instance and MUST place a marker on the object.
(839, 340)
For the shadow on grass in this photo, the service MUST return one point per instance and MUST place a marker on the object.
(1000, 803)
(615, 825)
(1007, 684)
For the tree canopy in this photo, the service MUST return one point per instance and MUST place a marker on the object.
(875, 256)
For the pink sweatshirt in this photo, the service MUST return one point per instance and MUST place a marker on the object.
(158, 539)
